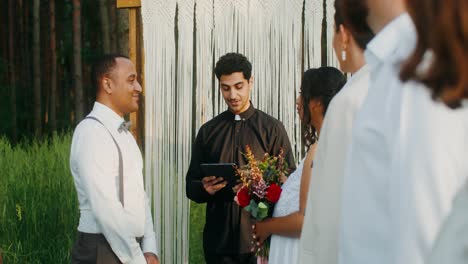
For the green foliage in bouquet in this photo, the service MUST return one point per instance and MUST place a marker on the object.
(275, 168)
(258, 211)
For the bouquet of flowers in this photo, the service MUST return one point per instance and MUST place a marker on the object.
(261, 187)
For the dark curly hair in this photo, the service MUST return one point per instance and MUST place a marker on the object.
(231, 63)
(320, 83)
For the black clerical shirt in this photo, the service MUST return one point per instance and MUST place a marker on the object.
(223, 139)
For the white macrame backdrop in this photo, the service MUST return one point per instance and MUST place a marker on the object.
(161, 142)
(183, 39)
(331, 56)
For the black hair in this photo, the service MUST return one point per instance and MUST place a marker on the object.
(103, 66)
(352, 14)
(231, 63)
(320, 83)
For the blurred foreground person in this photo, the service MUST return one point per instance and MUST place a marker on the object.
(319, 238)
(440, 64)
(404, 165)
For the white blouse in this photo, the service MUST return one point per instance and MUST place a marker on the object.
(404, 166)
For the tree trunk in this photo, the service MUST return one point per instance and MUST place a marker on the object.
(37, 69)
(46, 65)
(53, 77)
(113, 25)
(104, 25)
(61, 9)
(4, 40)
(12, 67)
(122, 31)
(28, 87)
(21, 66)
(78, 73)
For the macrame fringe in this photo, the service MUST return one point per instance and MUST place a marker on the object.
(182, 92)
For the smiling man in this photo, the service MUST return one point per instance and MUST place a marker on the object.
(227, 234)
(115, 217)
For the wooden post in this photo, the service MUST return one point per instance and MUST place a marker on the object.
(128, 3)
(135, 53)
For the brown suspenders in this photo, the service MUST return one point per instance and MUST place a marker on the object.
(121, 181)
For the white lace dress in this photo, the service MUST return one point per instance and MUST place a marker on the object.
(285, 249)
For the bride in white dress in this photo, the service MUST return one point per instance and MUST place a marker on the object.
(317, 89)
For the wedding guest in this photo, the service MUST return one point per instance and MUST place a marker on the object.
(402, 169)
(115, 217)
(317, 90)
(227, 233)
(319, 238)
(444, 54)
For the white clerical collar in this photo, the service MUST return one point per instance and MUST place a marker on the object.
(237, 118)
(107, 115)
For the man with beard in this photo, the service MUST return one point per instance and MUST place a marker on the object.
(227, 234)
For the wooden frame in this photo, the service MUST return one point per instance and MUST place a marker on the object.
(128, 3)
(136, 55)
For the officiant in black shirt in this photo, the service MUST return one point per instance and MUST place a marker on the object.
(227, 234)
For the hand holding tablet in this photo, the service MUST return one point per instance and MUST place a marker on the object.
(218, 175)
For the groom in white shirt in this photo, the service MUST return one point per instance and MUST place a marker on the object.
(399, 174)
(115, 218)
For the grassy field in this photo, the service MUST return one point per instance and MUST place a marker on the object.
(38, 204)
(197, 220)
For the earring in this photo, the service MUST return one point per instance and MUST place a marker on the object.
(343, 55)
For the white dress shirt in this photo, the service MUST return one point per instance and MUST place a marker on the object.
(403, 166)
(429, 171)
(94, 163)
(451, 245)
(319, 238)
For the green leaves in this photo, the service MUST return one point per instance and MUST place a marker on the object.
(258, 211)
(273, 168)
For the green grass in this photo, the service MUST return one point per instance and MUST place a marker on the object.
(197, 221)
(38, 204)
(39, 207)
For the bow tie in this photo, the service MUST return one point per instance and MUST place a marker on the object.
(125, 126)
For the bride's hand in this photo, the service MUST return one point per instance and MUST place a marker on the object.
(261, 231)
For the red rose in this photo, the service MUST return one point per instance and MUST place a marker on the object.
(243, 197)
(273, 193)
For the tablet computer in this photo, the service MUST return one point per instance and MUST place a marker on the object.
(225, 170)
